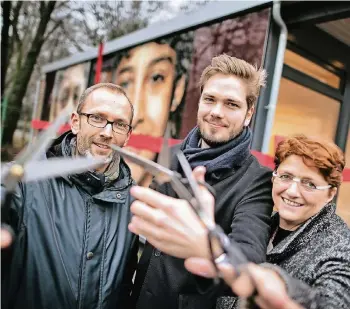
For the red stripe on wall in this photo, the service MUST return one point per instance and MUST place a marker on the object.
(151, 143)
(154, 144)
(99, 64)
(41, 124)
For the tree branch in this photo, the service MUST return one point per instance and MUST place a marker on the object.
(16, 11)
(76, 44)
(61, 5)
(6, 9)
(54, 28)
(14, 23)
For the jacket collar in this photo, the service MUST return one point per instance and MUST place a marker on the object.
(304, 233)
(90, 182)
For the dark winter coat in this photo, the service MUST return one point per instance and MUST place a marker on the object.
(243, 210)
(317, 253)
(314, 262)
(73, 248)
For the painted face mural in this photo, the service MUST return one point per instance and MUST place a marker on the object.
(69, 85)
(154, 77)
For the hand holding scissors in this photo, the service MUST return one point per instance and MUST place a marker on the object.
(187, 189)
(27, 166)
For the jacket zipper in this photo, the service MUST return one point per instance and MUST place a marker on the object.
(83, 260)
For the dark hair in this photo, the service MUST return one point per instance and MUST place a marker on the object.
(110, 86)
(183, 46)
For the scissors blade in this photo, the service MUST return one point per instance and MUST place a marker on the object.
(198, 203)
(5, 168)
(161, 173)
(164, 155)
(51, 168)
(34, 150)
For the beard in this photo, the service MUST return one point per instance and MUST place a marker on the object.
(84, 148)
(212, 141)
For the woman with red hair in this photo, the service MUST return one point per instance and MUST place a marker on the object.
(308, 241)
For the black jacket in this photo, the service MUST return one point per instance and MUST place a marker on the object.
(243, 210)
(73, 248)
(313, 261)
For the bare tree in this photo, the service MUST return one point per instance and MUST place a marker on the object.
(38, 32)
(6, 9)
(25, 61)
(29, 26)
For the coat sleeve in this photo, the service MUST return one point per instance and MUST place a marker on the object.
(250, 226)
(15, 209)
(330, 289)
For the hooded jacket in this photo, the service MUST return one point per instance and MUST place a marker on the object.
(72, 247)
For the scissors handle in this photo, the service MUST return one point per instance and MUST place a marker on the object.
(236, 258)
(234, 253)
(202, 183)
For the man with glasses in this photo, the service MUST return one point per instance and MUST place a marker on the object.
(72, 247)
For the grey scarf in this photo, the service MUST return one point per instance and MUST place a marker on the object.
(112, 171)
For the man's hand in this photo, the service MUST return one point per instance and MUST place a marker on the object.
(6, 238)
(170, 224)
(272, 293)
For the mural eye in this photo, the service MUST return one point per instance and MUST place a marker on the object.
(157, 78)
(125, 84)
(65, 96)
(76, 94)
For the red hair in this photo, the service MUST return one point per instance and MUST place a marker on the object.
(324, 155)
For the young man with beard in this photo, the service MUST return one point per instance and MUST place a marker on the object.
(221, 143)
(72, 247)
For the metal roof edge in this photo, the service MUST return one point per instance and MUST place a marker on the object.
(210, 12)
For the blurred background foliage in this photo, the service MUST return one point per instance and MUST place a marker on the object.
(35, 33)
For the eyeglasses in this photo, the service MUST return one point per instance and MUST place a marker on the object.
(100, 122)
(304, 184)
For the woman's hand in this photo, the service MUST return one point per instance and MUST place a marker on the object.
(272, 293)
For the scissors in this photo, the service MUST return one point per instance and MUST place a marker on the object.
(188, 188)
(26, 166)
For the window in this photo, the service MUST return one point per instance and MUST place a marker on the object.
(301, 110)
(310, 68)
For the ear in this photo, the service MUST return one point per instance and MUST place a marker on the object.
(178, 93)
(249, 116)
(127, 138)
(75, 123)
(332, 192)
